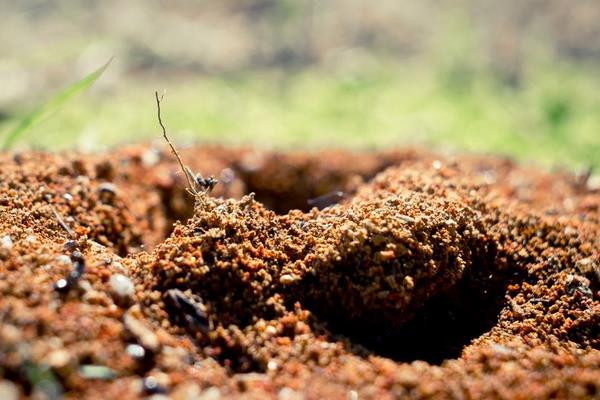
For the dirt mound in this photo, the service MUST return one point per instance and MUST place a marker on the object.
(369, 275)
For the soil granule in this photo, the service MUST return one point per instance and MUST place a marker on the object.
(302, 275)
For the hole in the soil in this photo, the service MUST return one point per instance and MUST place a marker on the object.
(177, 206)
(298, 193)
(283, 202)
(441, 328)
(282, 186)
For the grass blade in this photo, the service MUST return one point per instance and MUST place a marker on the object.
(54, 104)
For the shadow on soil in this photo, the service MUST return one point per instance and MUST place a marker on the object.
(441, 328)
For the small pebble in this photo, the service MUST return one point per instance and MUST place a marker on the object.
(58, 358)
(593, 183)
(186, 391)
(62, 285)
(588, 267)
(272, 365)
(6, 242)
(63, 259)
(286, 279)
(97, 372)
(122, 286)
(387, 255)
(152, 386)
(406, 218)
(8, 391)
(271, 330)
(289, 394)
(135, 351)
(30, 239)
(150, 158)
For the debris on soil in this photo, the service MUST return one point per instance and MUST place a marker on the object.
(325, 275)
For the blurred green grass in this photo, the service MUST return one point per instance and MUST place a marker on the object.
(552, 117)
(46, 109)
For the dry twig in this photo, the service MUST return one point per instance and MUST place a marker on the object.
(198, 185)
(62, 223)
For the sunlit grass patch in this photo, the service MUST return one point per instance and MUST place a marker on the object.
(552, 117)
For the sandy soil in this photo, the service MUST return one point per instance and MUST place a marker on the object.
(344, 276)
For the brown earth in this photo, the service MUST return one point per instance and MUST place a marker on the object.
(346, 275)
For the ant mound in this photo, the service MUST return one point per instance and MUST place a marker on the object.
(370, 261)
(420, 276)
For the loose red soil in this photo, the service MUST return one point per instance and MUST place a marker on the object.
(414, 275)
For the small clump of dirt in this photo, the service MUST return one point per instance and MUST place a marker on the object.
(323, 275)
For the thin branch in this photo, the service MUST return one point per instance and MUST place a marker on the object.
(62, 223)
(185, 170)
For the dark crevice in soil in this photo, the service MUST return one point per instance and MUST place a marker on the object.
(441, 328)
(290, 198)
(177, 206)
(284, 183)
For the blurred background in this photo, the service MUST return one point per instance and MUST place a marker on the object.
(510, 77)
